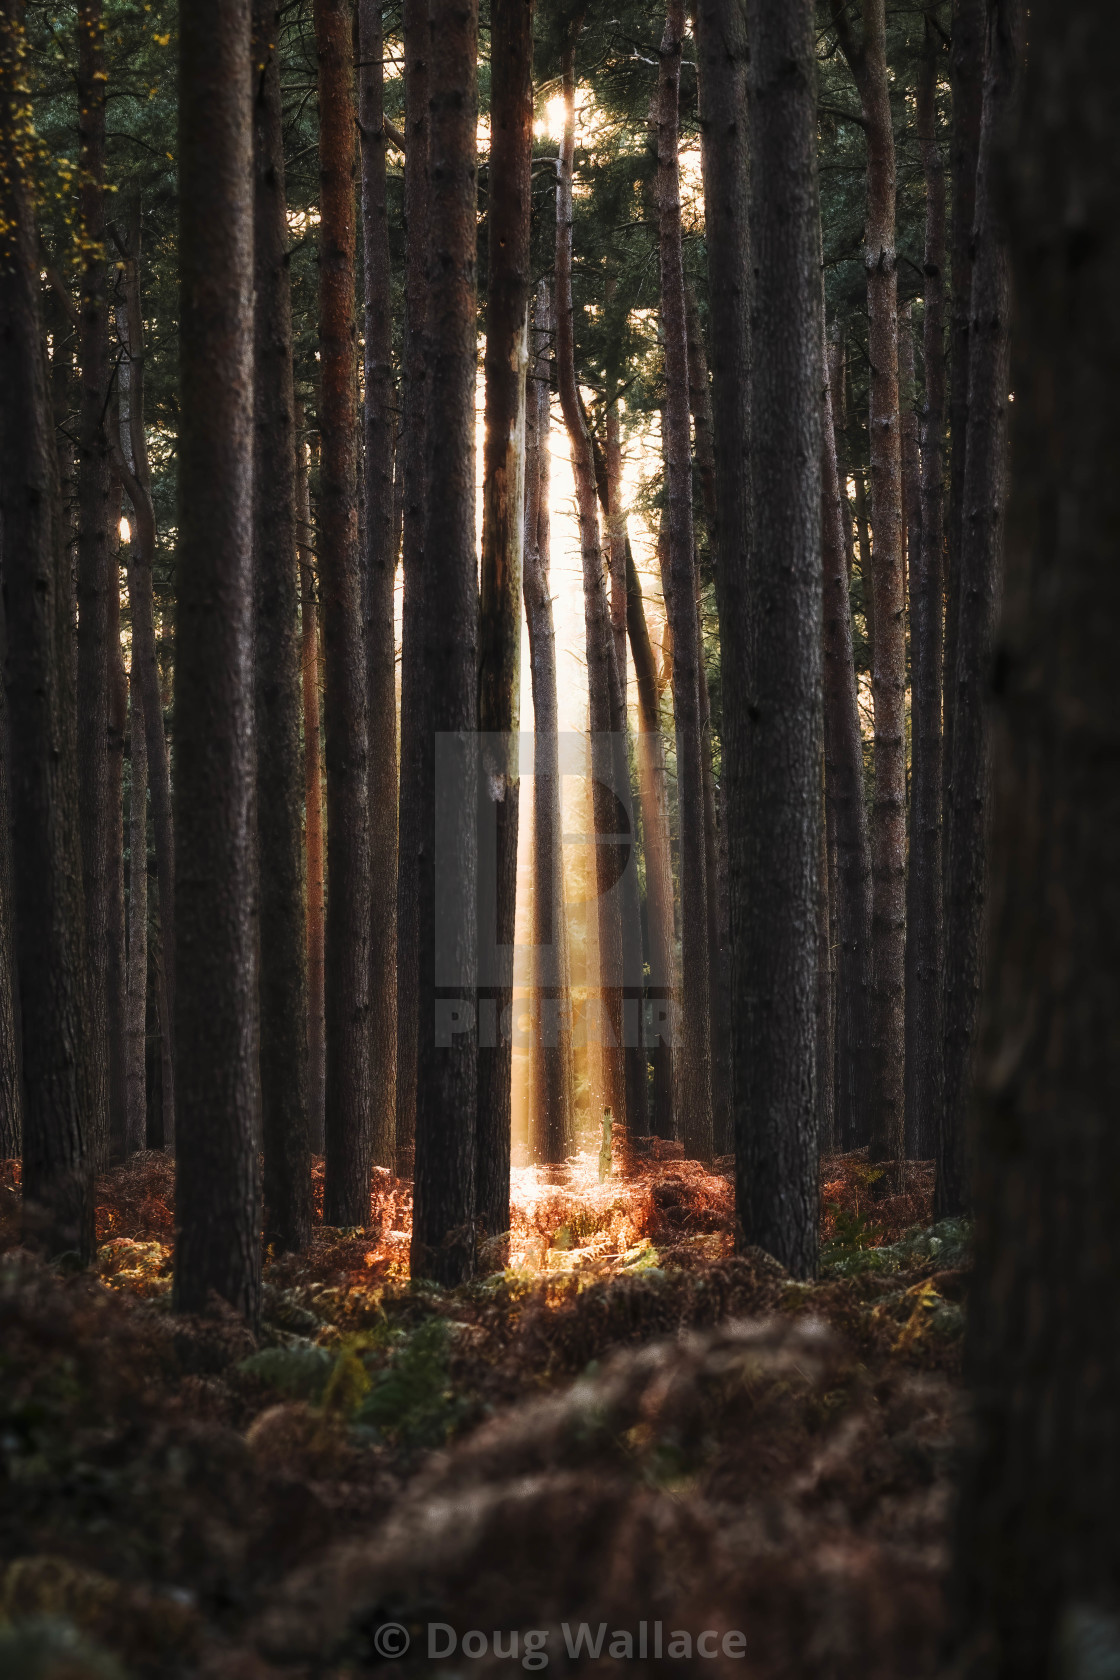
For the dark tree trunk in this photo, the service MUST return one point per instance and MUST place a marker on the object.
(703, 430)
(924, 929)
(283, 954)
(136, 1101)
(616, 538)
(312, 795)
(346, 1184)
(416, 386)
(116, 970)
(217, 1188)
(550, 1076)
(380, 573)
(48, 908)
(447, 1072)
(695, 1053)
(503, 525)
(94, 565)
(966, 78)
(1038, 1542)
(847, 813)
(981, 551)
(774, 887)
(867, 59)
(11, 1085)
(826, 1018)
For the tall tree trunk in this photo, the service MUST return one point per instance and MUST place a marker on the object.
(680, 601)
(283, 956)
(11, 1082)
(966, 79)
(378, 417)
(924, 928)
(116, 971)
(703, 429)
(217, 1188)
(867, 60)
(847, 813)
(312, 796)
(597, 628)
(416, 387)
(503, 528)
(48, 909)
(774, 902)
(616, 538)
(447, 1072)
(826, 1015)
(981, 552)
(136, 1122)
(94, 570)
(550, 1081)
(346, 1184)
(1038, 1543)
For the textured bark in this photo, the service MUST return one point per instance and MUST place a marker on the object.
(924, 928)
(867, 59)
(11, 1085)
(826, 1018)
(966, 78)
(703, 428)
(312, 798)
(283, 957)
(550, 1068)
(695, 1051)
(116, 968)
(447, 1074)
(378, 416)
(774, 923)
(503, 527)
(981, 553)
(136, 1103)
(847, 813)
(346, 1183)
(217, 1188)
(1038, 1543)
(416, 386)
(94, 564)
(48, 911)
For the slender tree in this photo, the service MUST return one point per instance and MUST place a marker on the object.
(1038, 1543)
(680, 601)
(379, 573)
(775, 858)
(312, 794)
(49, 913)
(217, 1190)
(116, 981)
(136, 1109)
(11, 1084)
(447, 1073)
(283, 956)
(981, 546)
(866, 54)
(924, 927)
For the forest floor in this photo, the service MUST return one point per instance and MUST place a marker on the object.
(629, 1427)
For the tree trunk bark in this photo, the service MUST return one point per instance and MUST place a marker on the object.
(443, 1237)
(94, 571)
(283, 953)
(116, 977)
(924, 927)
(347, 1178)
(11, 1079)
(503, 527)
(981, 552)
(680, 600)
(867, 60)
(49, 913)
(380, 574)
(217, 1189)
(826, 1018)
(136, 1132)
(550, 1077)
(774, 923)
(312, 798)
(1038, 1544)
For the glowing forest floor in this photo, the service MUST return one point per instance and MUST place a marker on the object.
(630, 1424)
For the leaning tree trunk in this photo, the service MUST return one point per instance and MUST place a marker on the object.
(217, 1188)
(1038, 1541)
(346, 1188)
(283, 955)
(447, 1055)
(94, 567)
(695, 1054)
(136, 1102)
(981, 550)
(774, 905)
(924, 926)
(379, 574)
(416, 387)
(503, 526)
(550, 1078)
(48, 910)
(867, 60)
(312, 796)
